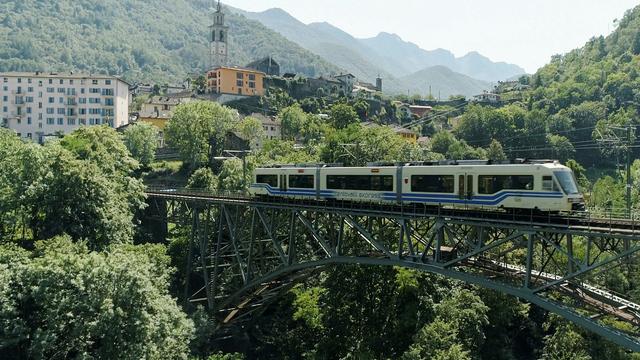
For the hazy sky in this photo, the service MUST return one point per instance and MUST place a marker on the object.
(524, 32)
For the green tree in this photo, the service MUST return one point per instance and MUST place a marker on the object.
(293, 120)
(75, 197)
(343, 115)
(495, 152)
(142, 141)
(203, 179)
(106, 305)
(198, 129)
(561, 148)
(200, 84)
(231, 175)
(251, 130)
(357, 145)
(565, 344)
(441, 141)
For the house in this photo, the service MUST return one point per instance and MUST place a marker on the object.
(402, 132)
(266, 65)
(158, 110)
(403, 110)
(487, 97)
(420, 111)
(349, 80)
(38, 104)
(235, 81)
(406, 134)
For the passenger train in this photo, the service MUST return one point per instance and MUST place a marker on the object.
(542, 185)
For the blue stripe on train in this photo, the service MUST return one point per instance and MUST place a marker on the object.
(427, 198)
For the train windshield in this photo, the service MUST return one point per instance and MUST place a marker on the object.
(567, 182)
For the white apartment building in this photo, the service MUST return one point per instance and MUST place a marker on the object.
(40, 104)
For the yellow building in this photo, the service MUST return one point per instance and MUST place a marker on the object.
(158, 110)
(235, 81)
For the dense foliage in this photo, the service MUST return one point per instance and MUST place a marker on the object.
(66, 302)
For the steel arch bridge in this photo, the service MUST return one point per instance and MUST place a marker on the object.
(244, 252)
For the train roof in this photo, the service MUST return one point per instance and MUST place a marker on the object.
(447, 163)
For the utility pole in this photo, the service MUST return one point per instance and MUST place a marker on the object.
(629, 171)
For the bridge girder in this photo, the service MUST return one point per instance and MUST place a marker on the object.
(245, 253)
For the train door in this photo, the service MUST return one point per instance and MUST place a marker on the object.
(465, 187)
(283, 182)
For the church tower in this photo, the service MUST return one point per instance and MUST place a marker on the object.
(219, 36)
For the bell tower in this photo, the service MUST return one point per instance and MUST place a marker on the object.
(218, 39)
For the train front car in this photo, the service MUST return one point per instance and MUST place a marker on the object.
(567, 182)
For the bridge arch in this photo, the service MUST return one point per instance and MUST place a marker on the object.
(245, 251)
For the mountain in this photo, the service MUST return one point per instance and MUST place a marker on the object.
(444, 82)
(143, 40)
(414, 58)
(366, 63)
(385, 53)
(326, 41)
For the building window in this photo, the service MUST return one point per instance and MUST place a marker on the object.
(61, 90)
(60, 121)
(252, 77)
(28, 110)
(30, 89)
(71, 121)
(19, 80)
(239, 83)
(50, 89)
(29, 120)
(71, 83)
(50, 121)
(50, 111)
(107, 92)
(5, 98)
(29, 81)
(82, 121)
(109, 102)
(91, 121)
(252, 85)
(94, 82)
(52, 100)
(61, 81)
(50, 81)
(239, 76)
(107, 82)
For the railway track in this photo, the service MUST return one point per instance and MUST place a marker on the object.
(582, 221)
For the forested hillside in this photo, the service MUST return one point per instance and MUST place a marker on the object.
(155, 40)
(573, 101)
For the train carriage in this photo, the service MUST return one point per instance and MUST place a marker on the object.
(541, 185)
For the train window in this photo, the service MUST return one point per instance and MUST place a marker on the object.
(491, 184)
(301, 181)
(268, 179)
(548, 184)
(432, 183)
(360, 182)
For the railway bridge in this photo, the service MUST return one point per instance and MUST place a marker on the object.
(243, 252)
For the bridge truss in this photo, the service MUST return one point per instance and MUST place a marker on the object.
(243, 253)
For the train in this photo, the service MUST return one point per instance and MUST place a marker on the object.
(540, 185)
